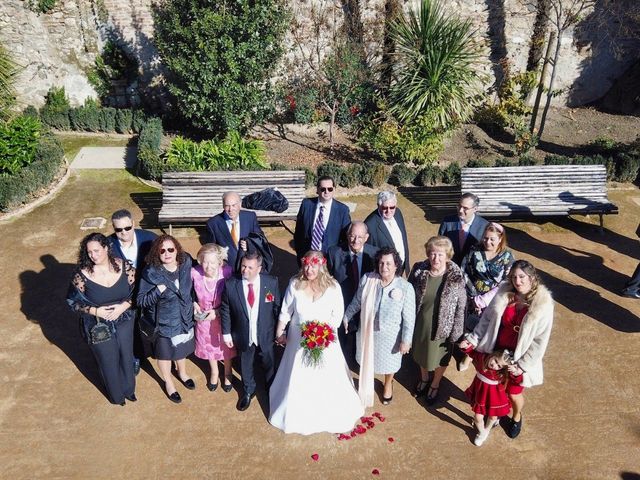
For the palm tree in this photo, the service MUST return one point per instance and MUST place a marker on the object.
(8, 71)
(435, 66)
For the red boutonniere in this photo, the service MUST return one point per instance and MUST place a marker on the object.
(268, 298)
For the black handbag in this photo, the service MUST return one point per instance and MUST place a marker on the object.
(100, 332)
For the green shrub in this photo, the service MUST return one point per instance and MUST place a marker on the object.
(220, 57)
(150, 164)
(332, 170)
(108, 119)
(55, 112)
(151, 135)
(279, 166)
(452, 174)
(124, 120)
(310, 177)
(478, 163)
(351, 176)
(402, 175)
(18, 143)
(31, 111)
(603, 145)
(526, 161)
(87, 117)
(41, 6)
(16, 189)
(504, 162)
(9, 71)
(627, 168)
(305, 106)
(429, 175)
(557, 160)
(373, 174)
(139, 120)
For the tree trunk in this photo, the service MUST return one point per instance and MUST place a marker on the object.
(556, 56)
(543, 74)
(392, 8)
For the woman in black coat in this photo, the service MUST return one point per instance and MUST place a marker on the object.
(165, 296)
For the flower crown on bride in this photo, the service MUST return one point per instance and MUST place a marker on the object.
(314, 261)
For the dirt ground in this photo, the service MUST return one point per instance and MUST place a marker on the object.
(583, 423)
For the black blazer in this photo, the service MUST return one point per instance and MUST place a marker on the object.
(339, 221)
(339, 265)
(450, 227)
(235, 316)
(170, 312)
(219, 232)
(379, 235)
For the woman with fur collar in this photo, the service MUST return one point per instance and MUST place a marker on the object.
(440, 305)
(519, 319)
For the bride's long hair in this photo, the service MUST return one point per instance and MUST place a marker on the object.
(325, 280)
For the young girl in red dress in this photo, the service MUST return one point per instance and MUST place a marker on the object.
(487, 393)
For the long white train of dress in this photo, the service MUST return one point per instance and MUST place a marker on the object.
(306, 399)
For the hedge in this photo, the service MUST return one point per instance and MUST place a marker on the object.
(17, 189)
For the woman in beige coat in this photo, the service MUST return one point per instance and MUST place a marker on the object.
(519, 319)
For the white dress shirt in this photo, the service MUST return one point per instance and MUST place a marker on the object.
(131, 252)
(325, 215)
(253, 312)
(396, 235)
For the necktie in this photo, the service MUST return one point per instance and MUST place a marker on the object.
(234, 232)
(318, 231)
(461, 238)
(355, 273)
(251, 296)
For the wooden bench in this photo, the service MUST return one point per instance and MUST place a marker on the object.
(194, 197)
(544, 190)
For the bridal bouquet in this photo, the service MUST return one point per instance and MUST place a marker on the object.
(316, 336)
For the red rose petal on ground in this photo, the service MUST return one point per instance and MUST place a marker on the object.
(375, 471)
(391, 439)
(315, 457)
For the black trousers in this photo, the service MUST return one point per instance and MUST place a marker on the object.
(633, 285)
(247, 358)
(115, 361)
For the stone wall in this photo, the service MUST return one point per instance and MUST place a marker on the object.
(58, 47)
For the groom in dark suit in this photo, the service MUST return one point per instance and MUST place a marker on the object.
(249, 310)
(228, 227)
(465, 229)
(348, 263)
(322, 221)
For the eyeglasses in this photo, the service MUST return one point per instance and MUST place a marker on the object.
(388, 208)
(126, 229)
(170, 250)
(356, 237)
(326, 189)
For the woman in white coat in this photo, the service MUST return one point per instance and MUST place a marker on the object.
(518, 319)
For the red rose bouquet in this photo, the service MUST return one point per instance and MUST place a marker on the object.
(316, 336)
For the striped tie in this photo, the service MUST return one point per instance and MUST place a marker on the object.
(318, 231)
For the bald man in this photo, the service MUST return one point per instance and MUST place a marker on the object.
(232, 224)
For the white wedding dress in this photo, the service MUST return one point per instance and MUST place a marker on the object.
(306, 399)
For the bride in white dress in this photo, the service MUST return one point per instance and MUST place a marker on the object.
(306, 399)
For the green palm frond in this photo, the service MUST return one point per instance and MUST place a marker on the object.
(8, 71)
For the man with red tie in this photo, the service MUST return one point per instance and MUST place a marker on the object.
(249, 312)
(228, 227)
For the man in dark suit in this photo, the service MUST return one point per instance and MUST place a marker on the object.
(347, 263)
(249, 312)
(387, 228)
(132, 244)
(232, 224)
(465, 229)
(321, 222)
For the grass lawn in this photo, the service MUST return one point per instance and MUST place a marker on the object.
(72, 143)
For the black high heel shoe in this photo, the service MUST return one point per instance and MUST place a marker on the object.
(227, 388)
(421, 388)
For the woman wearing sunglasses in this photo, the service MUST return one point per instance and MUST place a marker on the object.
(167, 310)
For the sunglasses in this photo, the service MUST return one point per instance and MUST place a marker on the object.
(388, 208)
(170, 250)
(126, 229)
(326, 189)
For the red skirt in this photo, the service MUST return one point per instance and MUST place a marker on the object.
(490, 400)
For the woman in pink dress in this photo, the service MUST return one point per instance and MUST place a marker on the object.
(208, 282)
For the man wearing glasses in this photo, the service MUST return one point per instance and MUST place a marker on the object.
(348, 262)
(465, 229)
(131, 244)
(322, 221)
(387, 228)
